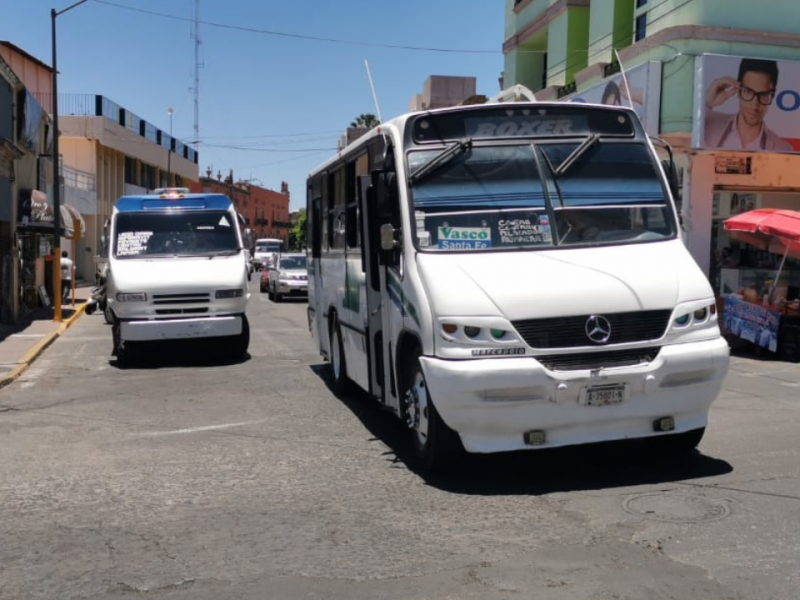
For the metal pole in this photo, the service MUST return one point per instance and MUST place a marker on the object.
(56, 183)
(169, 150)
(56, 179)
(780, 270)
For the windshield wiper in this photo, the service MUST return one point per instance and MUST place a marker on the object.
(455, 150)
(575, 155)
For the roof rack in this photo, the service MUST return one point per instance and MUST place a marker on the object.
(516, 93)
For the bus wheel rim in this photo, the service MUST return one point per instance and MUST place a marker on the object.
(418, 409)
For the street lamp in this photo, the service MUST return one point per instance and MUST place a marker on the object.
(170, 112)
(56, 180)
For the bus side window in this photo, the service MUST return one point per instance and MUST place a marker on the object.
(326, 223)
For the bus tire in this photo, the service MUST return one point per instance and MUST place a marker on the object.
(108, 314)
(341, 383)
(435, 446)
(240, 343)
(120, 350)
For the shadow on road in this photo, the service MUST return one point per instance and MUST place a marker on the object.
(589, 467)
(178, 354)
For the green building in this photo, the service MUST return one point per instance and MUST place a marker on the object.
(717, 79)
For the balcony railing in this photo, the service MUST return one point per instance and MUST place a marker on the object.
(75, 178)
(611, 69)
(566, 90)
(90, 105)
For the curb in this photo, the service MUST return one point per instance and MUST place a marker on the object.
(40, 347)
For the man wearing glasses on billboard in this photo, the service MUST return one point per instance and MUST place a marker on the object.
(744, 130)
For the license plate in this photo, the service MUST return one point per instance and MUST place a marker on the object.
(601, 395)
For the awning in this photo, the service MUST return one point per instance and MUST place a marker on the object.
(37, 214)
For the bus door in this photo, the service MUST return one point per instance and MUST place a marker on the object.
(384, 280)
(315, 296)
(370, 251)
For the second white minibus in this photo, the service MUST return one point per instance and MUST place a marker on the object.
(511, 276)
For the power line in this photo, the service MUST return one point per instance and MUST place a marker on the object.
(300, 36)
(246, 149)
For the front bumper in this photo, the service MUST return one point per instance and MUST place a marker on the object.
(294, 288)
(491, 403)
(180, 329)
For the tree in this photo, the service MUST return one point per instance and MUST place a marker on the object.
(297, 234)
(367, 121)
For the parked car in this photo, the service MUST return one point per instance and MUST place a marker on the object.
(288, 277)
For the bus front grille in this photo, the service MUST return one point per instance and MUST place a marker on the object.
(167, 299)
(571, 332)
(599, 360)
(181, 311)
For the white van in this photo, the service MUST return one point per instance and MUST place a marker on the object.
(267, 250)
(177, 271)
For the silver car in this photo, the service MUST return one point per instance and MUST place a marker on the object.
(288, 277)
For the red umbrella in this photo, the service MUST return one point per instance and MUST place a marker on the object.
(772, 229)
(767, 228)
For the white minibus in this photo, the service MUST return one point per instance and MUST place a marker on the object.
(511, 276)
(176, 270)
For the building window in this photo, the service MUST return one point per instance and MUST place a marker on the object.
(640, 3)
(641, 28)
(131, 171)
(544, 70)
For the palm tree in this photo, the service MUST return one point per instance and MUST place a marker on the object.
(367, 121)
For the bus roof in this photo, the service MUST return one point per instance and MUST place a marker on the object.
(470, 110)
(172, 202)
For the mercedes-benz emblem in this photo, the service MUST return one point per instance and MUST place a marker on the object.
(598, 329)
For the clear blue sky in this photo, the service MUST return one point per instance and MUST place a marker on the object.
(284, 99)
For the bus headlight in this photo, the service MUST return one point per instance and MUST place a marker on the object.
(694, 315)
(131, 297)
(237, 293)
(467, 337)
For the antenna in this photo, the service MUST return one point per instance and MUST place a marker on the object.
(197, 66)
(372, 86)
(624, 79)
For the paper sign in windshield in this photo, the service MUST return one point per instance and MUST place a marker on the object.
(132, 243)
(465, 238)
(535, 230)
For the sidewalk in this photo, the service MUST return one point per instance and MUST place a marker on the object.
(22, 342)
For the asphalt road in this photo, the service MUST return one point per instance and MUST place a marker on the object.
(184, 478)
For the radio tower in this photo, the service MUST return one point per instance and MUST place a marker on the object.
(197, 66)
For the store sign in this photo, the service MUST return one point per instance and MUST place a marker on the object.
(733, 164)
(752, 322)
(642, 93)
(749, 104)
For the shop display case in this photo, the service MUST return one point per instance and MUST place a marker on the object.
(756, 285)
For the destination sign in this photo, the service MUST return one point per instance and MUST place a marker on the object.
(490, 122)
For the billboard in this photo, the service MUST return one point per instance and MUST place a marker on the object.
(643, 93)
(748, 104)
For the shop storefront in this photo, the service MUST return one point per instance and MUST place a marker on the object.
(35, 243)
(746, 145)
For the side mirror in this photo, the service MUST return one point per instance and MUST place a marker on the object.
(387, 237)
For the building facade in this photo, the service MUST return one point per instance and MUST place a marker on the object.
(718, 79)
(106, 151)
(266, 212)
(440, 91)
(27, 235)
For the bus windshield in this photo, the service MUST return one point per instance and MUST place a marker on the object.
(178, 233)
(563, 193)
